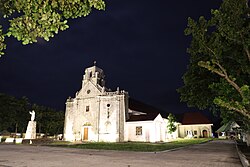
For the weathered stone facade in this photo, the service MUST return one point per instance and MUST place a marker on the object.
(96, 114)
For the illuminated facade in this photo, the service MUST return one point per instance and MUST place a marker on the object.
(101, 115)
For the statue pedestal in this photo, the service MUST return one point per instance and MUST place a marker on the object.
(31, 130)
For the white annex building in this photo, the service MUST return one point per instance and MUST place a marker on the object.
(100, 115)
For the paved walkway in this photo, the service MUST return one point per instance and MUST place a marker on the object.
(211, 154)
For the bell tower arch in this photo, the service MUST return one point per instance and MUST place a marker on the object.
(95, 75)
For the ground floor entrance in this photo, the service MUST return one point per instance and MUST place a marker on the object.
(205, 134)
(86, 133)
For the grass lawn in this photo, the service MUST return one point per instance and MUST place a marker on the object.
(134, 146)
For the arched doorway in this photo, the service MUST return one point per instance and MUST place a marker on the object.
(204, 133)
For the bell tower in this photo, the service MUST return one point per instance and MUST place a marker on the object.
(94, 75)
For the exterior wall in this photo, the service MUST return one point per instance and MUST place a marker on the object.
(182, 129)
(104, 120)
(147, 129)
(152, 131)
(112, 118)
(69, 121)
(160, 128)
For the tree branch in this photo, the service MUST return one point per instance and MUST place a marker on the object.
(209, 49)
(243, 111)
(224, 73)
(233, 105)
(248, 54)
(231, 82)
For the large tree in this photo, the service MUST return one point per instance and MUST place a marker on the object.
(13, 113)
(49, 121)
(218, 76)
(33, 19)
(14, 116)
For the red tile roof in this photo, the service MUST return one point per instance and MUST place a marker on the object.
(194, 118)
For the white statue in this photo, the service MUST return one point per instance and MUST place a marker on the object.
(32, 113)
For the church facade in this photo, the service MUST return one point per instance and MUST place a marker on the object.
(96, 114)
(100, 115)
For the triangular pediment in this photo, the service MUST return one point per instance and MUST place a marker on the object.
(89, 90)
(159, 118)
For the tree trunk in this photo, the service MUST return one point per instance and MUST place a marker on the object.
(248, 139)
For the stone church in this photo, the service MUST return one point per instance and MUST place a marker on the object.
(98, 114)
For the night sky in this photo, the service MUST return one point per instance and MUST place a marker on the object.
(139, 44)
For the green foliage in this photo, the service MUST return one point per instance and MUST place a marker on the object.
(2, 45)
(48, 120)
(246, 94)
(171, 123)
(136, 146)
(197, 80)
(219, 69)
(33, 19)
(14, 115)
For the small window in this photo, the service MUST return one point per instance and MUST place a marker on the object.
(87, 108)
(139, 130)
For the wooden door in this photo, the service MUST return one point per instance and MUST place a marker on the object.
(85, 135)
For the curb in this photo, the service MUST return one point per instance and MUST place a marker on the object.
(182, 147)
(243, 159)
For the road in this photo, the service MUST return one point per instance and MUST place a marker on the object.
(212, 154)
